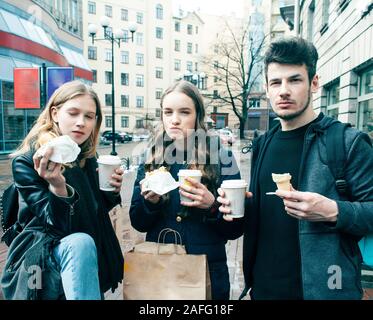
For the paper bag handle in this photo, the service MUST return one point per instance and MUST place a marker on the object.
(169, 230)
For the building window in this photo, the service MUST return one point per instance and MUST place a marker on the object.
(124, 79)
(139, 38)
(91, 7)
(195, 66)
(139, 102)
(108, 11)
(108, 100)
(189, 66)
(139, 80)
(139, 123)
(196, 48)
(343, 4)
(366, 82)
(332, 99)
(177, 26)
(125, 35)
(196, 29)
(158, 113)
(124, 121)
(108, 122)
(190, 29)
(159, 33)
(177, 45)
(216, 64)
(332, 94)
(139, 17)
(159, 11)
(92, 53)
(177, 65)
(159, 73)
(108, 77)
(139, 59)
(189, 47)
(109, 31)
(365, 102)
(311, 13)
(325, 16)
(94, 76)
(159, 53)
(124, 14)
(254, 103)
(108, 55)
(124, 57)
(216, 79)
(158, 93)
(124, 101)
(215, 94)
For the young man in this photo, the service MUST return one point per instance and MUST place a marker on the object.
(303, 244)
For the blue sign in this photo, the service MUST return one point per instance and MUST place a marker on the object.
(56, 77)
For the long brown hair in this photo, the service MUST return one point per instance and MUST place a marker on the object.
(201, 149)
(45, 128)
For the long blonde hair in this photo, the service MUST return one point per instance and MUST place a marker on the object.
(45, 127)
(209, 171)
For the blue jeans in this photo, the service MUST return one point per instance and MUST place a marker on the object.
(73, 270)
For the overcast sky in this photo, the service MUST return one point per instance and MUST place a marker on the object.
(210, 6)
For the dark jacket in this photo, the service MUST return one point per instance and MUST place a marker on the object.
(47, 218)
(202, 232)
(324, 247)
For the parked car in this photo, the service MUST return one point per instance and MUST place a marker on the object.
(141, 135)
(104, 141)
(226, 136)
(126, 136)
(108, 135)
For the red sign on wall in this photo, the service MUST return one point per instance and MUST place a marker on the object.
(26, 88)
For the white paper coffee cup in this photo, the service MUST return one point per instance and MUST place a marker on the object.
(106, 166)
(194, 174)
(235, 192)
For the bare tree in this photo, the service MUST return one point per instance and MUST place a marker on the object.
(237, 65)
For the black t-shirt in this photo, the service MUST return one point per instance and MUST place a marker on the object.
(277, 269)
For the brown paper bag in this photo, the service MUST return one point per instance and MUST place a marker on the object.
(158, 271)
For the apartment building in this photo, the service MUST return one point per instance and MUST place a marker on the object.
(167, 46)
(141, 66)
(342, 31)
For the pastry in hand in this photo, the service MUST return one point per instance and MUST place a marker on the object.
(282, 181)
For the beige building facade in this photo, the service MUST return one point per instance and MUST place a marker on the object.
(342, 32)
(141, 66)
(166, 47)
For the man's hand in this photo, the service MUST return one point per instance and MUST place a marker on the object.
(309, 206)
(225, 208)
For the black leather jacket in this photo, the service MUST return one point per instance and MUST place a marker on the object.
(86, 210)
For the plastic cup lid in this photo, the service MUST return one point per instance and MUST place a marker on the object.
(189, 173)
(109, 159)
(234, 184)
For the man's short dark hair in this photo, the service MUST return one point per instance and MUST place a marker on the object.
(292, 50)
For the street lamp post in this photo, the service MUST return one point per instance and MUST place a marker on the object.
(115, 37)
